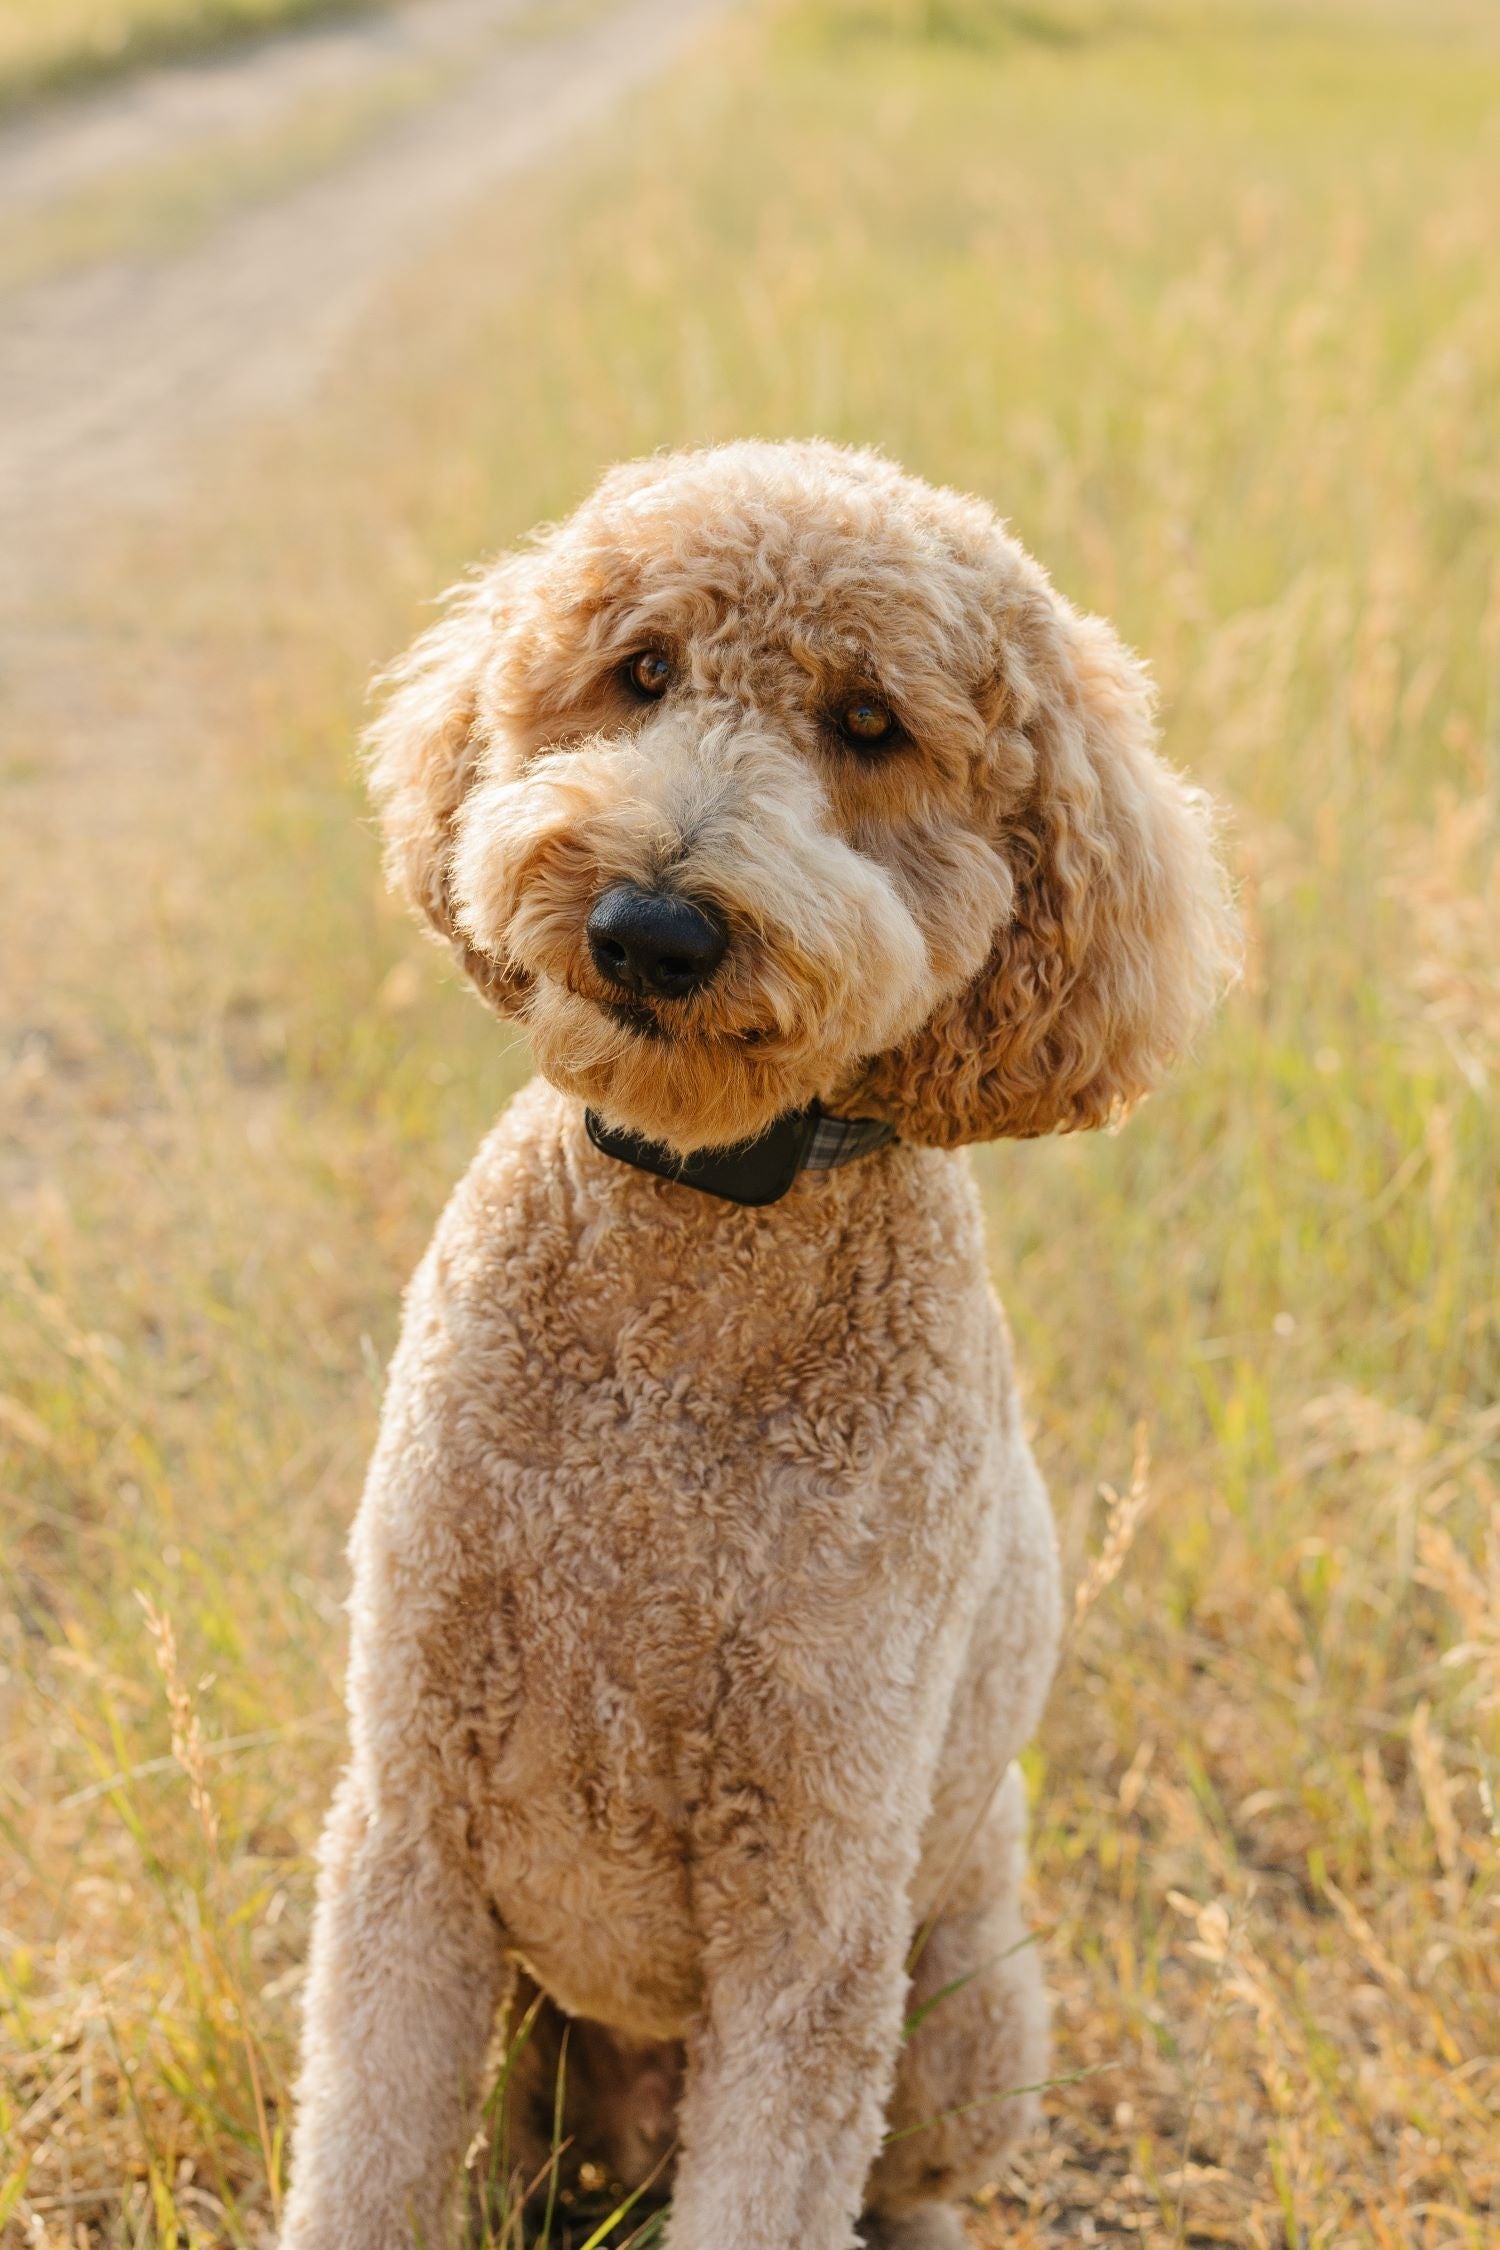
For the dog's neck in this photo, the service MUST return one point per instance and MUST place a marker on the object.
(755, 1172)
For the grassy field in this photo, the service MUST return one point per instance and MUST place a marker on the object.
(50, 43)
(1205, 300)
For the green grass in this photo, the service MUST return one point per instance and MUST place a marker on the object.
(48, 44)
(1204, 300)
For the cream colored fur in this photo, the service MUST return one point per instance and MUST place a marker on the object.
(705, 1589)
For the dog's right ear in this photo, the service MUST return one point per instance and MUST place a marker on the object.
(1121, 933)
(424, 749)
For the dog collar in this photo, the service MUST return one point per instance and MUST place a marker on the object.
(755, 1172)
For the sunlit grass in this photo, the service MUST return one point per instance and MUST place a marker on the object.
(50, 43)
(1205, 301)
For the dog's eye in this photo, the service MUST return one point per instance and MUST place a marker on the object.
(866, 722)
(649, 674)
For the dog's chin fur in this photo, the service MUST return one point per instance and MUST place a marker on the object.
(686, 1091)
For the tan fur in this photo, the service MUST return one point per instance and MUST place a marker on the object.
(705, 1589)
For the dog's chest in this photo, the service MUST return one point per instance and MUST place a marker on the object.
(696, 1481)
(679, 1496)
(666, 1565)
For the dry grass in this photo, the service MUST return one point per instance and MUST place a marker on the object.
(51, 43)
(1206, 301)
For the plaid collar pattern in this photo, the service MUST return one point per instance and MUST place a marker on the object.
(759, 1171)
(839, 1140)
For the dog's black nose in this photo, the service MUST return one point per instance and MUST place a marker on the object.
(645, 942)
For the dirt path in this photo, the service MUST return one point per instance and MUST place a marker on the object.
(107, 372)
(174, 107)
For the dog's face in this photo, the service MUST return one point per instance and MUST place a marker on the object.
(774, 774)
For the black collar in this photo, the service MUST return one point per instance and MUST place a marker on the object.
(758, 1171)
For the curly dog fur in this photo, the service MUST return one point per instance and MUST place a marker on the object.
(705, 1588)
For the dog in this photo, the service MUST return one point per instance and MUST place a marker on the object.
(705, 1589)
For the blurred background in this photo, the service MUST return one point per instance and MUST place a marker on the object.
(302, 308)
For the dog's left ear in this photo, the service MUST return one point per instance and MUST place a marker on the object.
(423, 752)
(1122, 935)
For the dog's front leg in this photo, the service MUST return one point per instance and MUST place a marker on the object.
(791, 2063)
(407, 1970)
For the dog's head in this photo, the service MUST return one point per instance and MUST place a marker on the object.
(774, 773)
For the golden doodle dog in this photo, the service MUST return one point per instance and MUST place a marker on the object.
(705, 1588)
